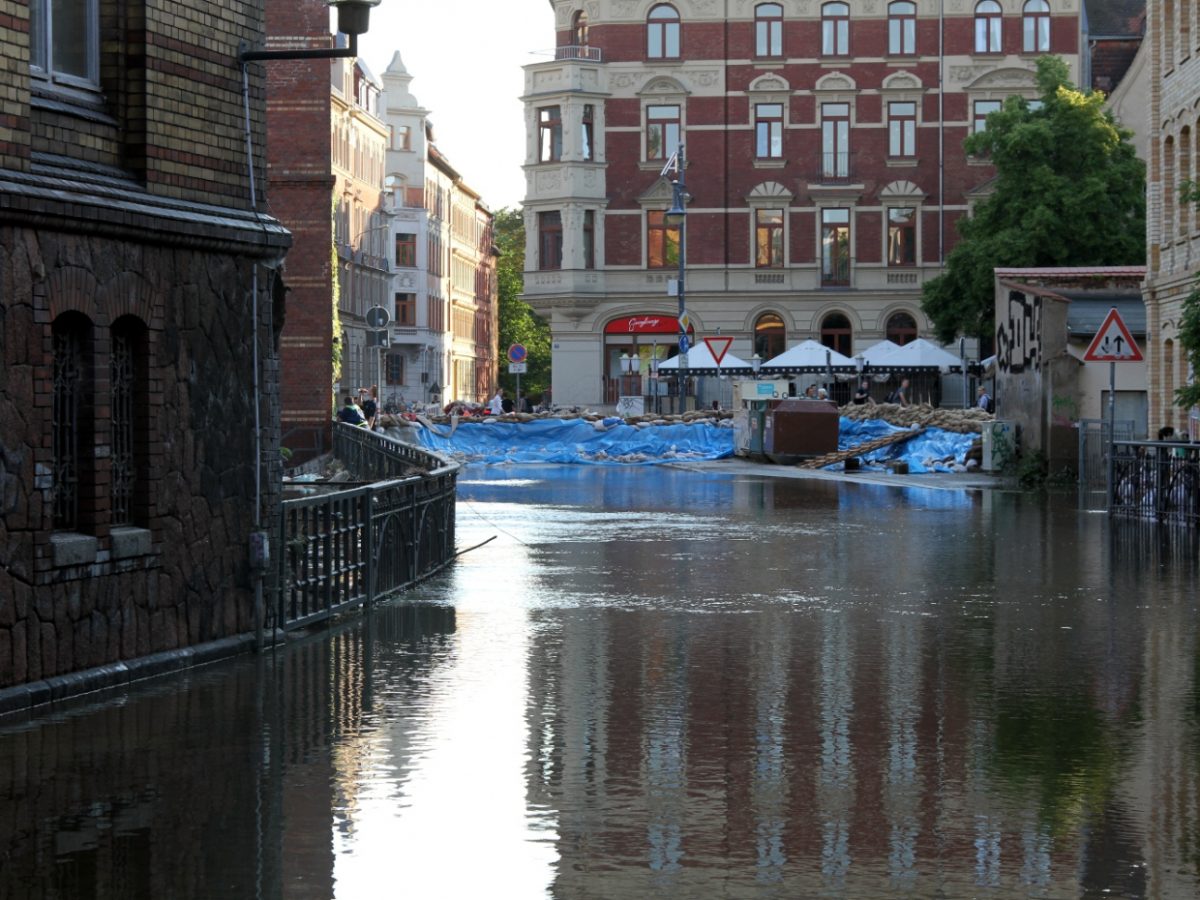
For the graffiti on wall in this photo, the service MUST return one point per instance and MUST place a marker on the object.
(1018, 341)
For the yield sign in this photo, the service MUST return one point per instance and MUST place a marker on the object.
(1113, 342)
(718, 347)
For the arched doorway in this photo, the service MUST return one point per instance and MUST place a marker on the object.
(901, 328)
(770, 336)
(837, 334)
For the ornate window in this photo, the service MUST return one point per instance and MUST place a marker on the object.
(835, 140)
(579, 29)
(1035, 27)
(902, 236)
(768, 29)
(902, 129)
(770, 337)
(406, 249)
(549, 134)
(129, 436)
(662, 241)
(835, 29)
(64, 41)
(837, 334)
(662, 131)
(71, 334)
(835, 246)
(768, 130)
(662, 33)
(902, 28)
(587, 132)
(901, 328)
(988, 27)
(550, 240)
(768, 238)
(589, 239)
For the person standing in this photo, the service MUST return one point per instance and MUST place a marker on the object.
(496, 407)
(370, 405)
(863, 394)
(350, 413)
(985, 400)
(901, 394)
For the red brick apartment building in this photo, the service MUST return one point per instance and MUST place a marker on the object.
(130, 461)
(825, 168)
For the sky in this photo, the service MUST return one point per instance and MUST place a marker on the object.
(465, 57)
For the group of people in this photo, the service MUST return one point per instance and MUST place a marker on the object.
(364, 411)
(902, 395)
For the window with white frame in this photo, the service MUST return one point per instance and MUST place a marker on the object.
(835, 29)
(768, 130)
(768, 238)
(835, 140)
(988, 27)
(64, 41)
(902, 236)
(662, 33)
(835, 246)
(902, 128)
(1035, 27)
(549, 134)
(983, 109)
(902, 28)
(768, 29)
(662, 130)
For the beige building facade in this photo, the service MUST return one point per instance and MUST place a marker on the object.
(1172, 226)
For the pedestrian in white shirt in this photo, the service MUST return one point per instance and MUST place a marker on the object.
(496, 407)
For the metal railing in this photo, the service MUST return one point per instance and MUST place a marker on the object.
(345, 549)
(1157, 481)
(579, 51)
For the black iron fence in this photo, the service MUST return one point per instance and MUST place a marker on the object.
(1156, 480)
(345, 549)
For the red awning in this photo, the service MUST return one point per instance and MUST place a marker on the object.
(647, 324)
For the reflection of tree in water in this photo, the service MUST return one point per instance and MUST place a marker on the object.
(1060, 748)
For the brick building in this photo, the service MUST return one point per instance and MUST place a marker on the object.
(131, 470)
(444, 303)
(1172, 226)
(825, 168)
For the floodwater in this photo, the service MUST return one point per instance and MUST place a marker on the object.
(668, 684)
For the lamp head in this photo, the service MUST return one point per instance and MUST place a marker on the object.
(677, 213)
(353, 15)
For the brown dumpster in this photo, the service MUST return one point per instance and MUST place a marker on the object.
(800, 429)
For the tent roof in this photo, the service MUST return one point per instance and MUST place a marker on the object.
(876, 352)
(701, 358)
(919, 354)
(809, 355)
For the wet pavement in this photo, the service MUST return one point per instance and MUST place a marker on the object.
(683, 682)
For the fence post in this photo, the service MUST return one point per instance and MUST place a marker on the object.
(369, 542)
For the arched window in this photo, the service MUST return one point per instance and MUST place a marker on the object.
(71, 423)
(770, 338)
(835, 29)
(988, 30)
(768, 29)
(662, 33)
(1035, 27)
(901, 328)
(129, 399)
(579, 29)
(1185, 174)
(902, 28)
(836, 333)
(1169, 189)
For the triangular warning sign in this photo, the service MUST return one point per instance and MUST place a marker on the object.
(1113, 342)
(718, 347)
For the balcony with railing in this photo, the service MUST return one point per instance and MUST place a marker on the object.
(836, 168)
(579, 51)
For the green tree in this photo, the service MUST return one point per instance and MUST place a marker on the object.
(1069, 191)
(519, 324)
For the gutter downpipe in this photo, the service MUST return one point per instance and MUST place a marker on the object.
(941, 135)
(258, 568)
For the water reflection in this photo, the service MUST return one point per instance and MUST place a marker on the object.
(676, 684)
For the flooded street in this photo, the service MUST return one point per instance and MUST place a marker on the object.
(662, 683)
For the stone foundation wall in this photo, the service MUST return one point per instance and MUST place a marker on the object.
(179, 573)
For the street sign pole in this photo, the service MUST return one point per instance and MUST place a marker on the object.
(1112, 427)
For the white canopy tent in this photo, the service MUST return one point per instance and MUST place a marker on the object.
(919, 354)
(700, 361)
(876, 354)
(808, 356)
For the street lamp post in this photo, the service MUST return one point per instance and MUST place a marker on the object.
(677, 216)
(755, 364)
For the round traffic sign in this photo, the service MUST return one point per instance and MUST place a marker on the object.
(517, 353)
(378, 317)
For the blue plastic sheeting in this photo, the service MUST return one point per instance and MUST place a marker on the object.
(610, 442)
(926, 453)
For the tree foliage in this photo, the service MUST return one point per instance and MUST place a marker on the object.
(519, 324)
(1069, 191)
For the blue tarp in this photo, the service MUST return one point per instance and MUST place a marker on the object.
(611, 442)
(578, 441)
(923, 454)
